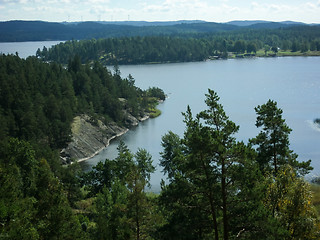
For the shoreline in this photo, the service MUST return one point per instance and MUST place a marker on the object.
(99, 150)
(279, 54)
(146, 117)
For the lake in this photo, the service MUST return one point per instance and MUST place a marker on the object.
(25, 49)
(242, 84)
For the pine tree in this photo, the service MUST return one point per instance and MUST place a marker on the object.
(273, 141)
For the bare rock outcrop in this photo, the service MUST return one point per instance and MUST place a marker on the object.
(90, 136)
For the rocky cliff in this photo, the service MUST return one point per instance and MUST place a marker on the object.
(90, 136)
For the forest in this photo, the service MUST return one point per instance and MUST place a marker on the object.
(297, 40)
(38, 102)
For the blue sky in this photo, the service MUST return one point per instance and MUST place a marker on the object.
(160, 10)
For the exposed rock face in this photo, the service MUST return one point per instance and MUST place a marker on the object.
(90, 136)
(130, 120)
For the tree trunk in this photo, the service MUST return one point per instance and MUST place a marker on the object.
(211, 201)
(224, 201)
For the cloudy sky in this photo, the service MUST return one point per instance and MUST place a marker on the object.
(160, 10)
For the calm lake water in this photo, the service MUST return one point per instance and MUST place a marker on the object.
(294, 82)
(242, 84)
(25, 49)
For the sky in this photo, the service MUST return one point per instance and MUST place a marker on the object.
(307, 11)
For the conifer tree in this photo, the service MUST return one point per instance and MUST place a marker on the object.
(272, 142)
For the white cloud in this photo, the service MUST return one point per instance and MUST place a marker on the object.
(155, 8)
(95, 10)
(9, 1)
(152, 10)
(313, 5)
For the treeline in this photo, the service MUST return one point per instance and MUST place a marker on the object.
(217, 188)
(185, 48)
(38, 101)
(133, 50)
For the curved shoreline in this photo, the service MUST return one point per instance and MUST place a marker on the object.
(99, 150)
(146, 117)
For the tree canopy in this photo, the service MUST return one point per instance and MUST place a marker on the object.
(184, 47)
(39, 100)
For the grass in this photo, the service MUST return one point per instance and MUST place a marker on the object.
(261, 53)
(154, 112)
(75, 126)
(152, 108)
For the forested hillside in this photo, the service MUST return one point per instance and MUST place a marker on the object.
(38, 102)
(17, 31)
(186, 48)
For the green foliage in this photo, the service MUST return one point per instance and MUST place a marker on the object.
(209, 177)
(111, 209)
(315, 188)
(32, 201)
(38, 101)
(273, 141)
(156, 93)
(217, 188)
(184, 47)
(222, 189)
(123, 210)
(289, 200)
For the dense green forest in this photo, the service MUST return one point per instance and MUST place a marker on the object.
(217, 188)
(188, 47)
(38, 101)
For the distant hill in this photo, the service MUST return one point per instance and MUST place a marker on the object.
(145, 23)
(264, 24)
(246, 23)
(293, 23)
(15, 31)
